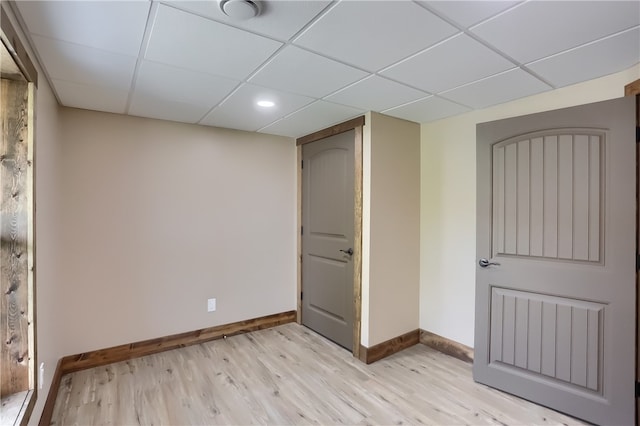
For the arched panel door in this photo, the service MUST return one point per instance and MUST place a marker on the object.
(555, 279)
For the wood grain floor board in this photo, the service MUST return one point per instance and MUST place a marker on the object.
(288, 375)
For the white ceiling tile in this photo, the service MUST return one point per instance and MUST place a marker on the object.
(317, 116)
(277, 19)
(85, 65)
(500, 88)
(95, 98)
(298, 71)
(147, 105)
(372, 35)
(180, 85)
(115, 26)
(537, 29)
(469, 12)
(185, 40)
(452, 63)
(376, 94)
(240, 111)
(426, 110)
(591, 61)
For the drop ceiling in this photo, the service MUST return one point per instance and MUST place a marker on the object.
(322, 62)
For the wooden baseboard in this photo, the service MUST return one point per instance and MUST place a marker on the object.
(446, 346)
(47, 411)
(389, 347)
(101, 357)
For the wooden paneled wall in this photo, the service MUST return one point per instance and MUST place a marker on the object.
(15, 249)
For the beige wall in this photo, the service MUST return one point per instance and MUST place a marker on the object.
(391, 228)
(448, 191)
(48, 301)
(159, 216)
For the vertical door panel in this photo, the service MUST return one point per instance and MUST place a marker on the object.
(555, 320)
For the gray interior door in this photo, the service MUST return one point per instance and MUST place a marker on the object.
(327, 238)
(555, 320)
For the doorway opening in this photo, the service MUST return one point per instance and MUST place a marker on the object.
(17, 310)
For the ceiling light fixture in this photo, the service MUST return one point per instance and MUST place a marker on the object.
(240, 10)
(266, 104)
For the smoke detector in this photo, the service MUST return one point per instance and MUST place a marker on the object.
(240, 10)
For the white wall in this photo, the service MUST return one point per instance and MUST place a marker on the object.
(448, 197)
(159, 216)
(391, 287)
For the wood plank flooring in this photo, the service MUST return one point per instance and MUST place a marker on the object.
(287, 375)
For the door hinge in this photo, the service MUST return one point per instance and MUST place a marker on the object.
(637, 134)
(302, 230)
(302, 164)
(637, 262)
(302, 297)
(637, 389)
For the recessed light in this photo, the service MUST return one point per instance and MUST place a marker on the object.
(266, 104)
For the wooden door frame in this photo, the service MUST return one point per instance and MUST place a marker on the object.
(355, 124)
(633, 89)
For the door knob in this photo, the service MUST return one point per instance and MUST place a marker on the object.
(484, 263)
(348, 251)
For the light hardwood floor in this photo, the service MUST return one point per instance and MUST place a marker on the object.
(287, 375)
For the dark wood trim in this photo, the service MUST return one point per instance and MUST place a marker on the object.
(299, 236)
(101, 357)
(47, 411)
(389, 347)
(357, 242)
(356, 125)
(333, 130)
(147, 347)
(446, 346)
(632, 88)
(15, 47)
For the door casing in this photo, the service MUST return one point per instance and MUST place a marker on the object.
(355, 124)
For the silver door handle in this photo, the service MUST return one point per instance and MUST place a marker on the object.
(484, 263)
(348, 251)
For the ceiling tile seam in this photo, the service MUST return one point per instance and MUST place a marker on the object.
(247, 79)
(314, 21)
(366, 78)
(190, 70)
(407, 103)
(469, 32)
(29, 40)
(210, 110)
(635, 27)
(256, 33)
(331, 58)
(420, 52)
(284, 117)
(217, 21)
(259, 68)
(477, 81)
(497, 15)
(429, 97)
(148, 29)
(58, 40)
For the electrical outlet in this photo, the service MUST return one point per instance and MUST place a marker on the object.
(41, 376)
(211, 305)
